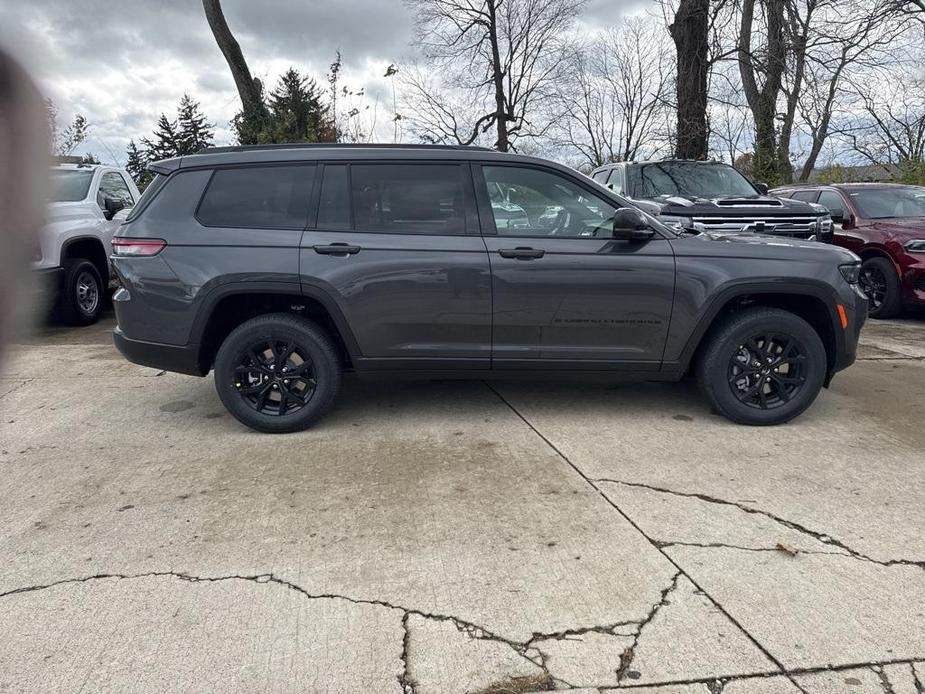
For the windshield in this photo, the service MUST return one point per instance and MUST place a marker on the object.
(887, 203)
(689, 180)
(70, 185)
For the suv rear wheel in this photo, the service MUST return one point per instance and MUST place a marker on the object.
(880, 283)
(762, 366)
(278, 373)
(81, 297)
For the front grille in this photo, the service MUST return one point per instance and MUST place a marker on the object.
(792, 227)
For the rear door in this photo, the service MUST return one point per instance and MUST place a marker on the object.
(396, 246)
(566, 294)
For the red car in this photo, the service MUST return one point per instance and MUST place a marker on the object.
(884, 223)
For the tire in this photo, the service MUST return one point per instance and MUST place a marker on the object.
(80, 300)
(251, 382)
(736, 384)
(880, 283)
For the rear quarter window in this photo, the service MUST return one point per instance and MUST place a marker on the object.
(259, 197)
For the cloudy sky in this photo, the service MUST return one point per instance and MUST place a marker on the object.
(122, 63)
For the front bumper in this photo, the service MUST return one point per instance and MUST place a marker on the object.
(182, 359)
(846, 341)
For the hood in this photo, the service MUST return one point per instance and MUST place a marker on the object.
(902, 228)
(767, 241)
(765, 205)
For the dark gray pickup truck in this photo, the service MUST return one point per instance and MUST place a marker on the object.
(709, 196)
(280, 267)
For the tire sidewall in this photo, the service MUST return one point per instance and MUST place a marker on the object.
(891, 305)
(784, 324)
(308, 338)
(71, 310)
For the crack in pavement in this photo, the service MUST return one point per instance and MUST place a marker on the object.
(723, 545)
(475, 631)
(22, 383)
(792, 525)
(884, 680)
(593, 484)
(626, 658)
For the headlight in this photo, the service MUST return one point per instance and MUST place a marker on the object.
(824, 224)
(677, 223)
(915, 246)
(851, 272)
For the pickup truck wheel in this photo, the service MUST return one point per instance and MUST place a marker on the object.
(762, 366)
(81, 298)
(880, 283)
(278, 373)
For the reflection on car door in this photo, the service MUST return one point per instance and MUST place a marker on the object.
(564, 290)
(396, 245)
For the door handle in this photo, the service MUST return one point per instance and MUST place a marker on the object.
(522, 253)
(337, 249)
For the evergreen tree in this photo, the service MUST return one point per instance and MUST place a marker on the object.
(296, 111)
(165, 143)
(193, 132)
(136, 165)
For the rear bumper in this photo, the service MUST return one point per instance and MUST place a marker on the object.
(181, 359)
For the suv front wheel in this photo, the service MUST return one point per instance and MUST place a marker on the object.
(762, 366)
(278, 373)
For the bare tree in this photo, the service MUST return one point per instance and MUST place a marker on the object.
(852, 41)
(690, 33)
(761, 69)
(501, 56)
(249, 88)
(615, 101)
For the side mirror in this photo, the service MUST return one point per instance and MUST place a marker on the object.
(111, 206)
(838, 216)
(762, 188)
(629, 224)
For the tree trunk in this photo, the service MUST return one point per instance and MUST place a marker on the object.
(503, 144)
(690, 32)
(249, 89)
(763, 102)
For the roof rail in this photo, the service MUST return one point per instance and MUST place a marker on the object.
(337, 145)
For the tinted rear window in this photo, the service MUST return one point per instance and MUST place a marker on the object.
(265, 197)
(409, 198)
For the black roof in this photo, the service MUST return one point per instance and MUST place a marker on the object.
(337, 145)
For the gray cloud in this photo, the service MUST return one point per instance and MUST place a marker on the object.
(122, 63)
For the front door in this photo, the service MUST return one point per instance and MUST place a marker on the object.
(396, 246)
(565, 292)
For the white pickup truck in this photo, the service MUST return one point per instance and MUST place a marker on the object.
(87, 204)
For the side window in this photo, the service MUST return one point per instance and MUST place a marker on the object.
(601, 176)
(832, 200)
(112, 185)
(409, 198)
(615, 182)
(258, 197)
(533, 202)
(334, 203)
(805, 195)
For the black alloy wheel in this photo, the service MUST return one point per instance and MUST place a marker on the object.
(873, 283)
(879, 280)
(275, 377)
(767, 370)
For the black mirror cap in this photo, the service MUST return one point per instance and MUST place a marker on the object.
(762, 188)
(111, 206)
(629, 224)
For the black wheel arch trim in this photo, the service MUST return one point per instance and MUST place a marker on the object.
(106, 272)
(294, 289)
(736, 289)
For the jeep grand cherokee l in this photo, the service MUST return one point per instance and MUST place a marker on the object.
(279, 267)
(883, 223)
(709, 196)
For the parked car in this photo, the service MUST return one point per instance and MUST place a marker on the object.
(710, 196)
(279, 267)
(885, 225)
(86, 205)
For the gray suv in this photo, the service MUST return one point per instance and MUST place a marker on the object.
(281, 267)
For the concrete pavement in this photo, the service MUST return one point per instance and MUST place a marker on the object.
(459, 537)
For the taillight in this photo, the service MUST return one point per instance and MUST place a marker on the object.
(137, 247)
